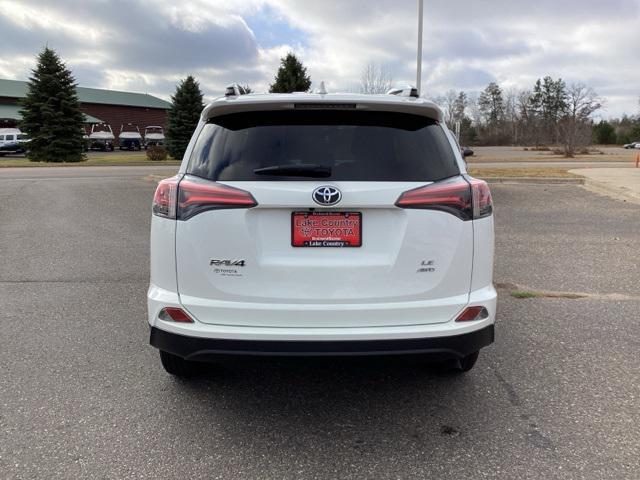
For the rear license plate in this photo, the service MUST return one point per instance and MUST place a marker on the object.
(326, 229)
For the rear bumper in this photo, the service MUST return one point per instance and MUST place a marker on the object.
(203, 349)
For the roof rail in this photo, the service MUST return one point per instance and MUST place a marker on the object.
(404, 91)
(234, 90)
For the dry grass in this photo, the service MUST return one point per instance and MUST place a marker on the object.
(547, 157)
(100, 159)
(598, 153)
(519, 172)
(523, 294)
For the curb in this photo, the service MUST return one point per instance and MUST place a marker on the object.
(536, 180)
(610, 191)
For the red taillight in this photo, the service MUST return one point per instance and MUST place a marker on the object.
(466, 199)
(482, 202)
(186, 198)
(164, 200)
(174, 314)
(473, 313)
(452, 196)
(196, 196)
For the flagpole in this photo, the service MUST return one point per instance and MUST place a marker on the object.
(419, 59)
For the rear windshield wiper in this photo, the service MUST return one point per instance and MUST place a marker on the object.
(302, 170)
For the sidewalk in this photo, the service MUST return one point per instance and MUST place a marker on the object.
(619, 183)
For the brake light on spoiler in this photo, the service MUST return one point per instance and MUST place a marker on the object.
(183, 199)
(464, 197)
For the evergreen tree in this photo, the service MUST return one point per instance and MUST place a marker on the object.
(292, 76)
(51, 114)
(553, 102)
(183, 116)
(604, 133)
(532, 112)
(491, 104)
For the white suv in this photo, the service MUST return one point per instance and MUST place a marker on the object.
(311, 224)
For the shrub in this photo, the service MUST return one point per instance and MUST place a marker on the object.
(156, 153)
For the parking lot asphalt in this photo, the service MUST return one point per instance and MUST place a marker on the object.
(82, 395)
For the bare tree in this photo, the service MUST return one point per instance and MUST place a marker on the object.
(448, 104)
(511, 113)
(473, 108)
(575, 124)
(527, 119)
(375, 78)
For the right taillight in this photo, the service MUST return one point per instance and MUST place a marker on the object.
(183, 199)
(482, 202)
(465, 198)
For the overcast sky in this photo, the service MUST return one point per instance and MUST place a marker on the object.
(148, 45)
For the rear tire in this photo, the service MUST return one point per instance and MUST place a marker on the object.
(467, 363)
(178, 366)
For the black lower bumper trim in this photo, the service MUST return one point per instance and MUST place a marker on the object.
(201, 349)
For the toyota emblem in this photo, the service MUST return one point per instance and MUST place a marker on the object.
(326, 195)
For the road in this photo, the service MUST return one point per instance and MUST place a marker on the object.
(82, 395)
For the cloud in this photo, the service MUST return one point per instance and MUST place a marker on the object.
(149, 45)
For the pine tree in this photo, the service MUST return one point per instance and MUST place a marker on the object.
(292, 76)
(604, 133)
(51, 114)
(183, 116)
(491, 104)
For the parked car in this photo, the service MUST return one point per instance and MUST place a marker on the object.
(637, 146)
(101, 137)
(631, 145)
(153, 135)
(307, 224)
(129, 138)
(13, 141)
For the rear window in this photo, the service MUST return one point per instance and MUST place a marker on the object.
(352, 145)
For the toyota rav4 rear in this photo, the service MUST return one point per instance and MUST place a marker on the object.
(321, 225)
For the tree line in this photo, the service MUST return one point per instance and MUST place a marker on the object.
(551, 113)
(53, 119)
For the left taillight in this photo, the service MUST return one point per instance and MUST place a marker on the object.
(196, 196)
(183, 199)
(164, 200)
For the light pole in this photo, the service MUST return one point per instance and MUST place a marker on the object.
(419, 60)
